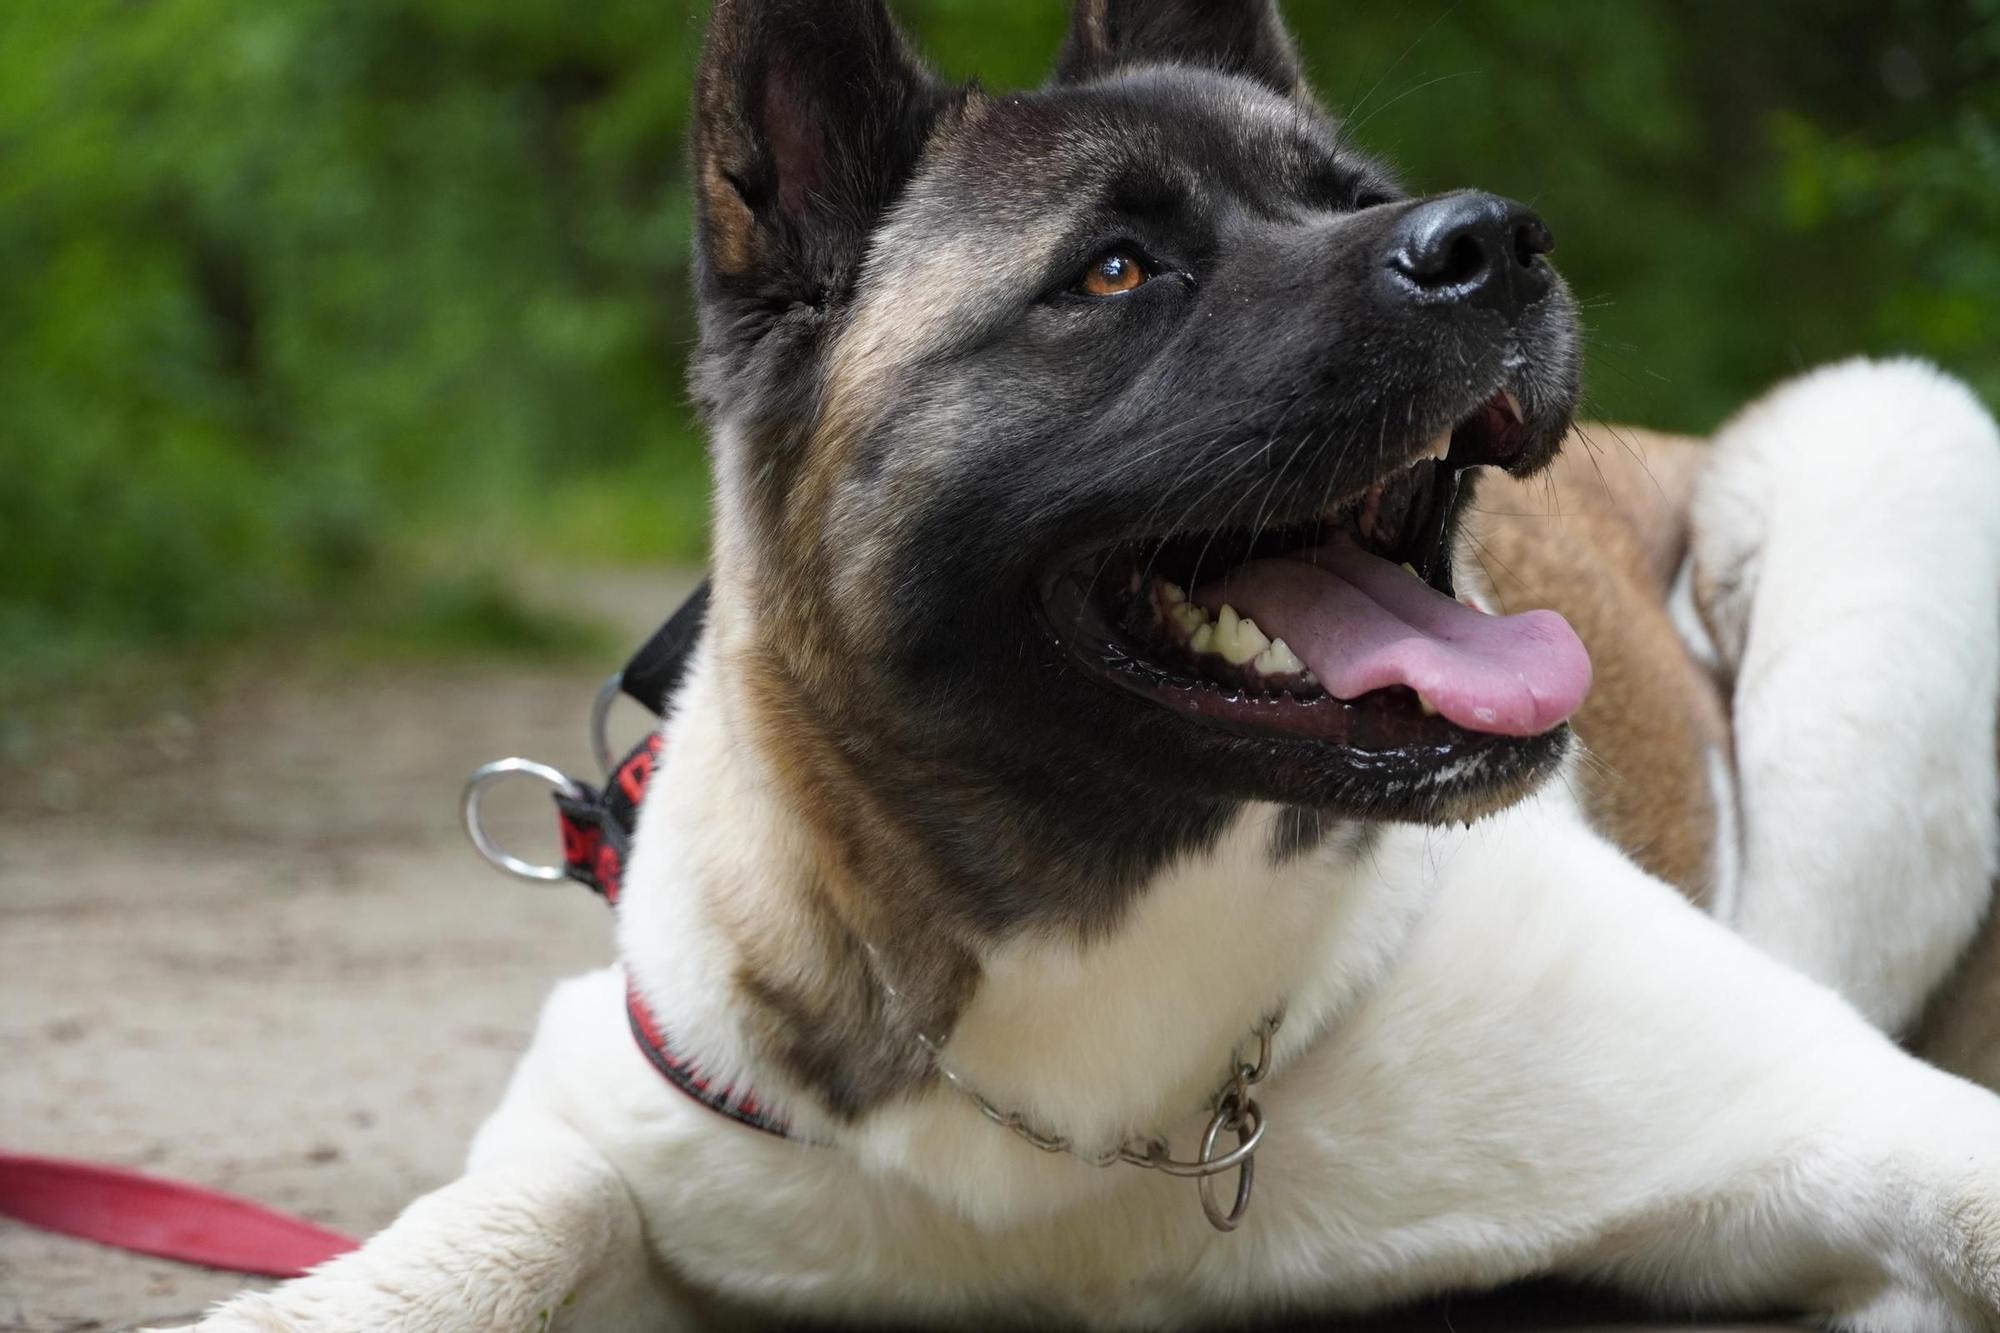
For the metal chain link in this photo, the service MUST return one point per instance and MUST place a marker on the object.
(1232, 1110)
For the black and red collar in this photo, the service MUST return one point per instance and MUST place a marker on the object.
(597, 827)
(723, 1099)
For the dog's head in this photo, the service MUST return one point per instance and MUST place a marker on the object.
(1027, 406)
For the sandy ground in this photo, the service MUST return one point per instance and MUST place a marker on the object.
(249, 946)
(246, 944)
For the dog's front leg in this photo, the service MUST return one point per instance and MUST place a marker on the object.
(1883, 1219)
(1575, 1071)
(530, 1244)
(1798, 1158)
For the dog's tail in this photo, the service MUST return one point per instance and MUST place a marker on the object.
(1844, 581)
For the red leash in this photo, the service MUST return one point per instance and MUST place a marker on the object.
(164, 1218)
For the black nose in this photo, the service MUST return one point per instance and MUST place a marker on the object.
(1473, 249)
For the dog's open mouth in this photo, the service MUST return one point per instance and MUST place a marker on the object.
(1344, 628)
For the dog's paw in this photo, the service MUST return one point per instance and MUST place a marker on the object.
(1972, 1254)
(1949, 1281)
(1906, 1310)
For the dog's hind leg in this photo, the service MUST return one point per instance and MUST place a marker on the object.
(524, 1244)
(1844, 581)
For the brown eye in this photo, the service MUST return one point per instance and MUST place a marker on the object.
(1113, 274)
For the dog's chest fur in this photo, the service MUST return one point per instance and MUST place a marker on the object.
(922, 1204)
(1098, 1036)
(1128, 1032)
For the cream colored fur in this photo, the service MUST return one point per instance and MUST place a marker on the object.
(1858, 492)
(1509, 1051)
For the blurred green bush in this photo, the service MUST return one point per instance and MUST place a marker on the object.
(303, 302)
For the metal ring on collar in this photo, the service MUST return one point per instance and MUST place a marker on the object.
(475, 787)
(1248, 1123)
(1228, 1117)
(600, 721)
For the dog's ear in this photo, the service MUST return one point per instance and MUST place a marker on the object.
(809, 117)
(1244, 37)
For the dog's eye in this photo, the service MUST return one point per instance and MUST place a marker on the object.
(1112, 274)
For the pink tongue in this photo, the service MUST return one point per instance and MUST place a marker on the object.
(1362, 624)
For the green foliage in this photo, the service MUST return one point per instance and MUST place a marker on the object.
(1921, 199)
(1673, 144)
(299, 295)
(294, 284)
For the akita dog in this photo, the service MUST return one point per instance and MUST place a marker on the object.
(1139, 843)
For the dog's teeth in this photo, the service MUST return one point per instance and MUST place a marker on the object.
(1224, 638)
(1244, 645)
(1173, 592)
(1411, 570)
(1513, 405)
(1237, 639)
(1187, 617)
(1429, 709)
(1278, 660)
(1202, 639)
(1440, 448)
(1251, 639)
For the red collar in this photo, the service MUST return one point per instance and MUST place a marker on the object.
(726, 1100)
(596, 839)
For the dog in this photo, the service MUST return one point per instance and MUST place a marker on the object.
(1142, 827)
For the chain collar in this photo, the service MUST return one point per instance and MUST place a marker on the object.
(1231, 1111)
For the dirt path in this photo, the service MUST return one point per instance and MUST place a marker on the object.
(249, 947)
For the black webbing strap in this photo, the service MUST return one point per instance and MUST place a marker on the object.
(597, 824)
(654, 672)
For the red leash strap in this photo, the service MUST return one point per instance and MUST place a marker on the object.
(163, 1218)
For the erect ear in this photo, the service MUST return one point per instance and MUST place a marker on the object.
(1235, 36)
(809, 117)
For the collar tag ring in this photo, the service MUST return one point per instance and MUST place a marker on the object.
(495, 854)
(1246, 1120)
